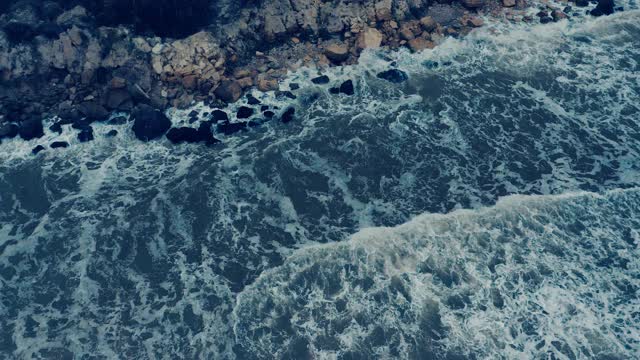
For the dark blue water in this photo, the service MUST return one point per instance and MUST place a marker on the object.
(119, 249)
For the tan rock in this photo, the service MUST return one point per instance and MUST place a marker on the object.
(475, 22)
(383, 10)
(508, 3)
(406, 33)
(428, 24)
(337, 52)
(370, 38)
(267, 84)
(241, 73)
(419, 44)
(245, 82)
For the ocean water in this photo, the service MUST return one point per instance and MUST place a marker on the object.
(487, 208)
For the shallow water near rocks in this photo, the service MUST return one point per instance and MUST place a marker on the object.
(488, 207)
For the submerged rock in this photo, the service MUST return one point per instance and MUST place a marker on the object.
(8, 131)
(37, 149)
(149, 123)
(394, 75)
(288, 115)
(86, 134)
(59, 144)
(320, 80)
(229, 128)
(183, 134)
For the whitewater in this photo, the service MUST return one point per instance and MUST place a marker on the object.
(487, 208)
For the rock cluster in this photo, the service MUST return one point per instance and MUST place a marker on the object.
(58, 58)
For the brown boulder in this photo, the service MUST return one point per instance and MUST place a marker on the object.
(419, 44)
(267, 84)
(337, 52)
(229, 91)
(428, 24)
(369, 38)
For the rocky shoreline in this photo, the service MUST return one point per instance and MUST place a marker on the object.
(65, 63)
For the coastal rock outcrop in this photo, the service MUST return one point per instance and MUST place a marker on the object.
(84, 59)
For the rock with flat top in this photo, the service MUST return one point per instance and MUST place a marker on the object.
(419, 44)
(337, 52)
(370, 38)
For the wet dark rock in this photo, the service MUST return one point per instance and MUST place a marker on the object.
(251, 100)
(294, 86)
(347, 88)
(31, 129)
(604, 7)
(81, 124)
(219, 115)
(118, 120)
(264, 108)
(119, 99)
(8, 131)
(244, 112)
(149, 123)
(59, 144)
(334, 90)
(112, 133)
(93, 111)
(56, 127)
(288, 115)
(37, 149)
(545, 20)
(193, 113)
(229, 128)
(320, 80)
(206, 134)
(183, 134)
(393, 75)
(582, 3)
(268, 114)
(86, 134)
